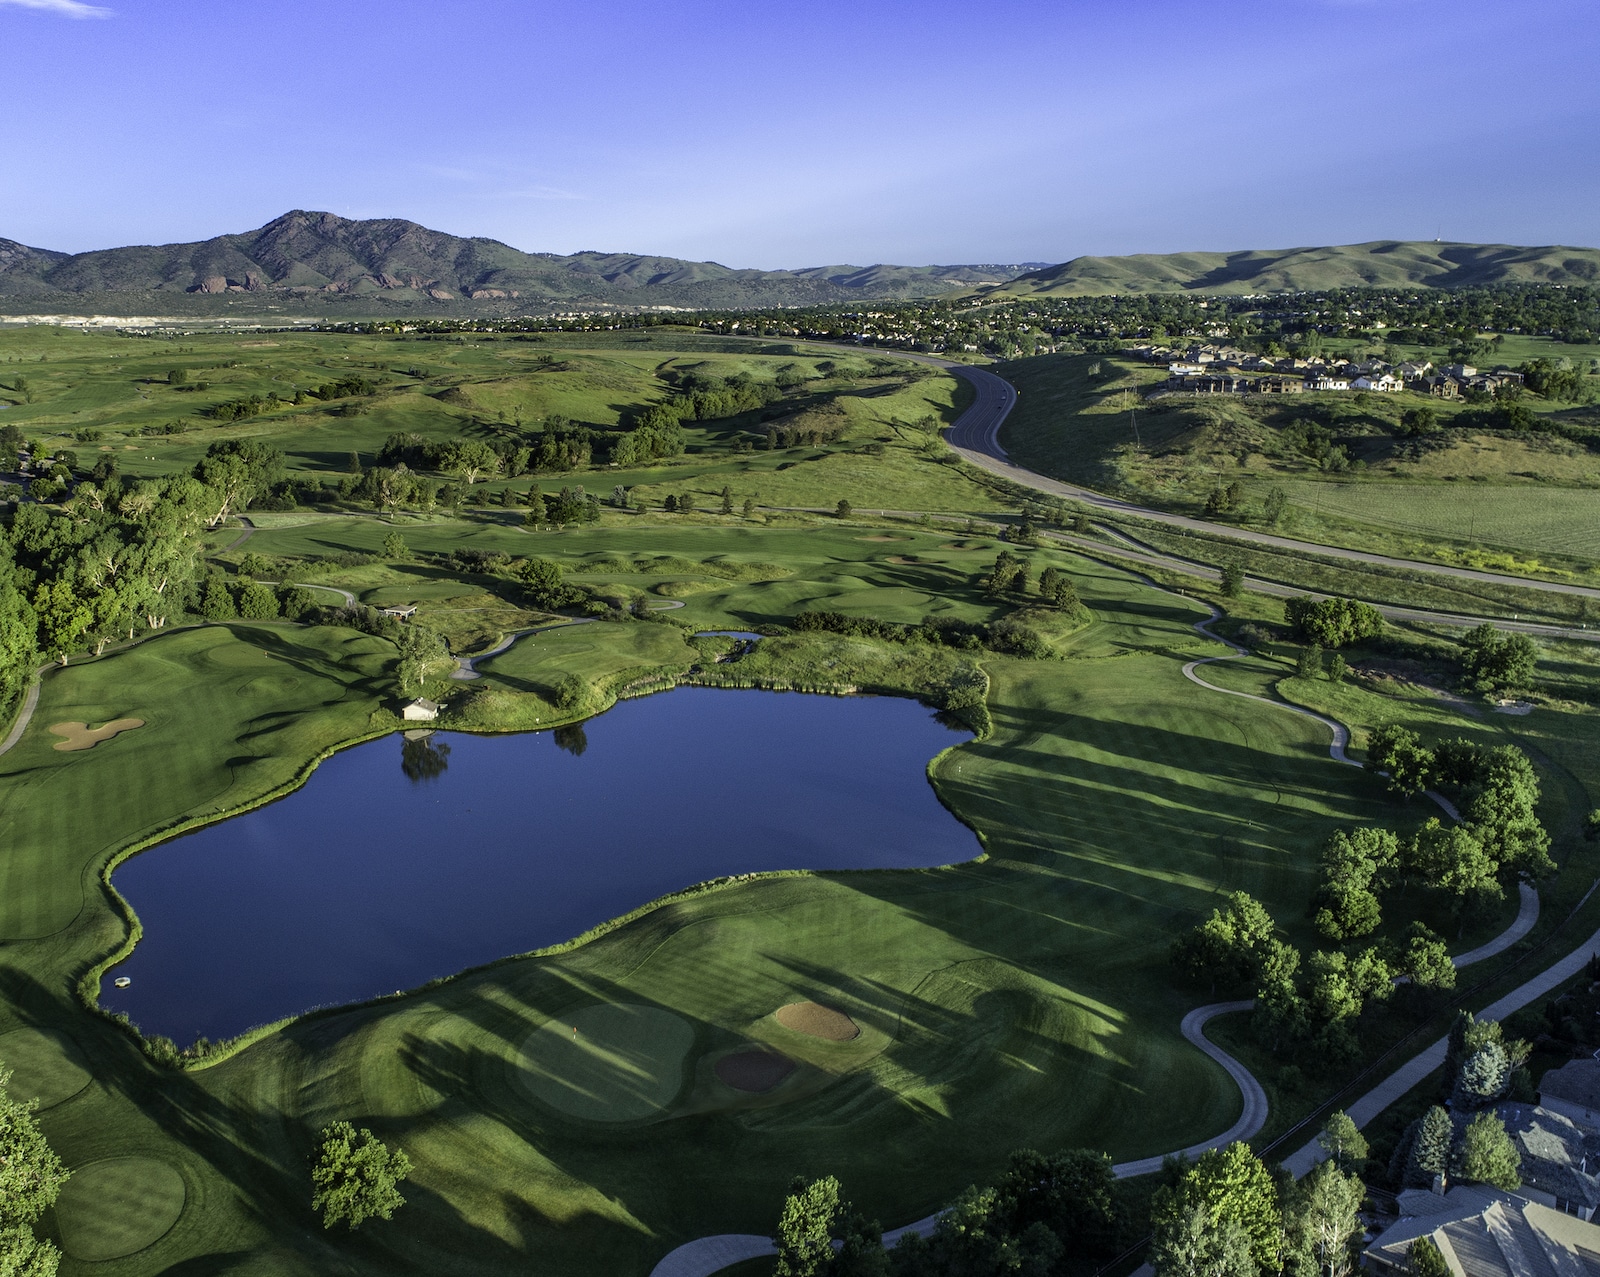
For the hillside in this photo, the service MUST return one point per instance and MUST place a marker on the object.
(321, 260)
(1379, 264)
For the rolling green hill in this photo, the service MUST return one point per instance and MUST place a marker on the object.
(1379, 264)
(321, 260)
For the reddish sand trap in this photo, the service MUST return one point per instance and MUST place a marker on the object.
(82, 736)
(817, 1021)
(754, 1071)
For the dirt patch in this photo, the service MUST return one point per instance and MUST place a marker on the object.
(817, 1021)
(756, 1072)
(1518, 708)
(82, 736)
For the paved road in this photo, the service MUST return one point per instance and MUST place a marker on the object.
(976, 436)
(29, 702)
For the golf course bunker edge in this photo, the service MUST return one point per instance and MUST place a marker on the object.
(817, 1021)
(608, 1062)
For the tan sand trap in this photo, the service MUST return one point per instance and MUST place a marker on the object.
(82, 736)
(753, 1071)
(817, 1021)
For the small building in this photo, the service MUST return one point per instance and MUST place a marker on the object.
(1573, 1091)
(1555, 1154)
(1326, 383)
(401, 612)
(1459, 371)
(1415, 371)
(420, 711)
(1482, 1232)
(1377, 381)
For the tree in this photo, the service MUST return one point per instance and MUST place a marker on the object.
(257, 602)
(472, 461)
(31, 1177)
(216, 599)
(1398, 752)
(572, 693)
(1325, 1229)
(1188, 1242)
(1235, 1187)
(805, 1228)
(1073, 1193)
(1482, 1079)
(355, 1176)
(1487, 1155)
(1332, 622)
(1004, 576)
(843, 510)
(1454, 861)
(177, 377)
(1496, 662)
(1227, 948)
(237, 471)
(749, 508)
(1277, 501)
(1335, 666)
(1425, 961)
(536, 511)
(1501, 801)
(1345, 906)
(1232, 579)
(1426, 1259)
(396, 549)
(727, 499)
(1344, 1144)
(1429, 1138)
(63, 617)
(1309, 664)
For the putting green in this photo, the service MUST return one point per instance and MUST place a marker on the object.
(625, 1062)
(117, 1206)
(45, 1065)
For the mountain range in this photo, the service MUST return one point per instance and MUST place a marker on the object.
(323, 263)
(1384, 263)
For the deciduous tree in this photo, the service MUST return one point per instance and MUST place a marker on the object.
(355, 1177)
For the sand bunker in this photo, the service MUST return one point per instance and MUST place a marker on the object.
(817, 1021)
(754, 1071)
(82, 736)
(883, 538)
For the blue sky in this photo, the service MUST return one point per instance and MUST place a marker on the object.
(772, 134)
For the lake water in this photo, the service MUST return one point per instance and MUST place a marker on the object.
(401, 860)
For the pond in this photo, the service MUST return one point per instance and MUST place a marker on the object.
(405, 859)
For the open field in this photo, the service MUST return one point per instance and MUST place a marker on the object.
(1470, 496)
(108, 395)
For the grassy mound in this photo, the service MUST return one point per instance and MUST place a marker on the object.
(45, 1065)
(118, 1206)
(613, 1062)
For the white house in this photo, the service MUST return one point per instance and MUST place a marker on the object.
(1327, 383)
(1377, 381)
(401, 612)
(420, 711)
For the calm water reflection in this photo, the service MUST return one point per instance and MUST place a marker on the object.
(404, 859)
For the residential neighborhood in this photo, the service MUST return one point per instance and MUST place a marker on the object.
(1209, 369)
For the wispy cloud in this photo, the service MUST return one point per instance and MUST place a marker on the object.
(66, 8)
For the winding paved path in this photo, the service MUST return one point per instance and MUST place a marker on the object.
(30, 702)
(707, 1255)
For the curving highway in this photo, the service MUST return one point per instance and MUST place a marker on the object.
(976, 436)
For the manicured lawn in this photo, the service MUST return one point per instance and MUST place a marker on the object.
(1024, 999)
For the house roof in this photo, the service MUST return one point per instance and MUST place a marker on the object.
(1558, 1156)
(1486, 1233)
(420, 703)
(1576, 1081)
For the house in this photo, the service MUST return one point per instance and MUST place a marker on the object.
(402, 613)
(1459, 371)
(1555, 1156)
(1415, 371)
(420, 711)
(1573, 1091)
(1482, 1232)
(1279, 386)
(1326, 383)
(1377, 381)
(1442, 387)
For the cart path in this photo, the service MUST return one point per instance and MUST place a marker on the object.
(707, 1255)
(30, 702)
(466, 665)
